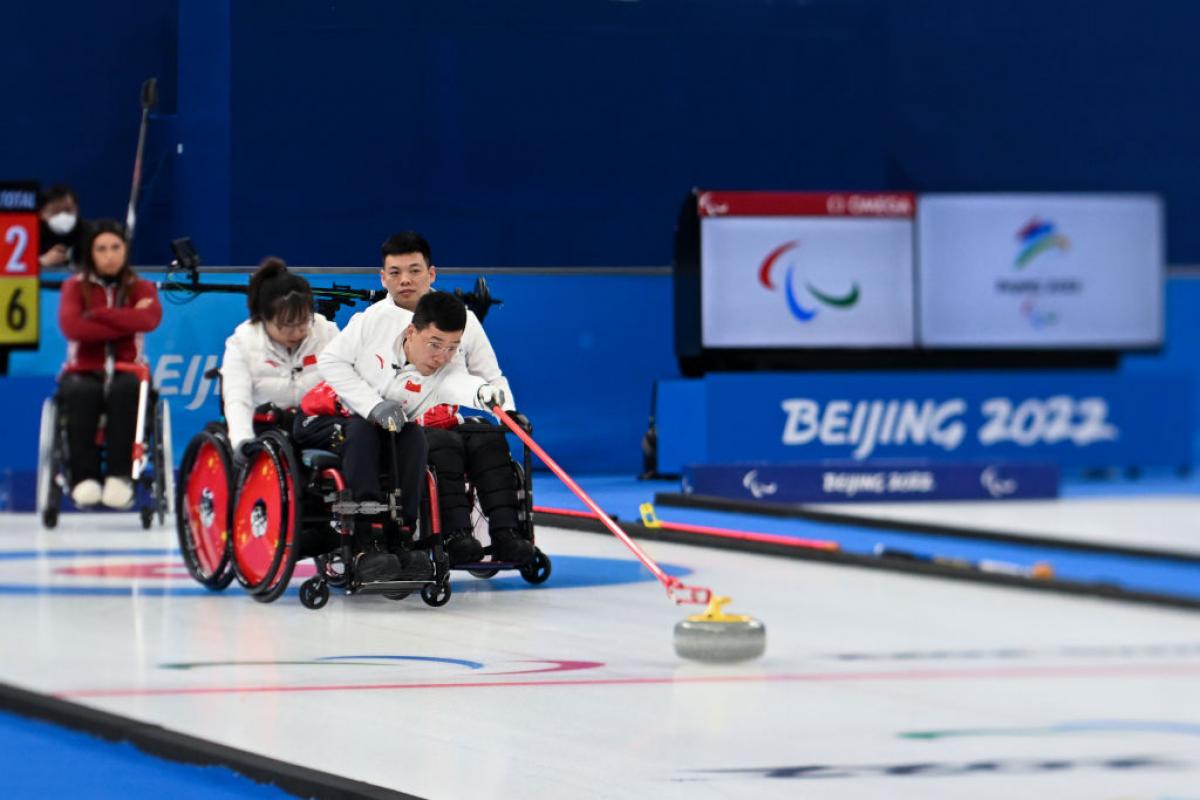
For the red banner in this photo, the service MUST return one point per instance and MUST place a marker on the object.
(806, 204)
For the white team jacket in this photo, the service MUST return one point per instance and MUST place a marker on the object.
(256, 370)
(382, 372)
(371, 340)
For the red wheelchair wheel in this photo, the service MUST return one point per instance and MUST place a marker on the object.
(264, 519)
(202, 510)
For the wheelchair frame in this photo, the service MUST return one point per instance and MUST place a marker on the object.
(280, 514)
(53, 470)
(538, 569)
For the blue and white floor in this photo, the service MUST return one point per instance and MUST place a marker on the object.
(874, 684)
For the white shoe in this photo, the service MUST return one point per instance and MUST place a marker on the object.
(86, 493)
(118, 493)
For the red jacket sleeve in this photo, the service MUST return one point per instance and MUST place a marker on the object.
(128, 319)
(77, 326)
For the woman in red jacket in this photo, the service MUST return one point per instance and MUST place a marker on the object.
(104, 311)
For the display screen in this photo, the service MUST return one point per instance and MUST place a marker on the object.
(1040, 271)
(799, 270)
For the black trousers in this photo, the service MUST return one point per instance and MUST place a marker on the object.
(366, 456)
(83, 399)
(480, 452)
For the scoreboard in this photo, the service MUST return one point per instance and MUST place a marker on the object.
(18, 265)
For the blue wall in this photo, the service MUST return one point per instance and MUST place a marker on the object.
(71, 76)
(548, 133)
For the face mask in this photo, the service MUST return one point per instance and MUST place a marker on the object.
(62, 223)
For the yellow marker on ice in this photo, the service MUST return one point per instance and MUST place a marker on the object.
(649, 518)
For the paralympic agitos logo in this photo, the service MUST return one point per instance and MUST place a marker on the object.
(798, 292)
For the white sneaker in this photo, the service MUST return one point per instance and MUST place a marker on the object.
(118, 493)
(86, 493)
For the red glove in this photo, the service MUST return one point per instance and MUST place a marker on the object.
(322, 401)
(443, 416)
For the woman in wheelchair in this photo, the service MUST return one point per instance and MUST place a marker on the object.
(271, 358)
(104, 312)
(269, 364)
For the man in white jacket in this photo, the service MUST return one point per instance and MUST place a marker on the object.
(388, 377)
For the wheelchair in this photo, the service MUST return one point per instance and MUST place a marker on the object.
(205, 500)
(538, 569)
(153, 466)
(284, 507)
(256, 524)
(288, 509)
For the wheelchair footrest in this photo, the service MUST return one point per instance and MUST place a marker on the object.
(367, 508)
(389, 587)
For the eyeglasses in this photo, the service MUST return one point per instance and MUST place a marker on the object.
(436, 348)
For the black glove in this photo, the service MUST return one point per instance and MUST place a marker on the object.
(242, 453)
(388, 415)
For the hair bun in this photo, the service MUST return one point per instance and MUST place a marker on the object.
(271, 283)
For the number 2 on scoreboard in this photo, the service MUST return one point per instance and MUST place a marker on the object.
(18, 238)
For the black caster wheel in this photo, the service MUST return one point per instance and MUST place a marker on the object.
(483, 573)
(49, 518)
(396, 595)
(314, 593)
(538, 569)
(147, 515)
(436, 594)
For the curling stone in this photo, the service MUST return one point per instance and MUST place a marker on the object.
(717, 636)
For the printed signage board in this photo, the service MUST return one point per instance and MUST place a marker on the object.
(799, 270)
(1040, 271)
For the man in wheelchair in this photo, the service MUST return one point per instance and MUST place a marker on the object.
(389, 381)
(473, 450)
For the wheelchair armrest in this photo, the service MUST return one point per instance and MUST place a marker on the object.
(522, 421)
(320, 459)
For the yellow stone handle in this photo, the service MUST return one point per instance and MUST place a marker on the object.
(714, 613)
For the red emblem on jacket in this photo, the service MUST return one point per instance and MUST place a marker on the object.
(308, 360)
(413, 387)
(322, 400)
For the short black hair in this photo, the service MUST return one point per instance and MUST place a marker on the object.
(442, 309)
(58, 191)
(406, 242)
(275, 293)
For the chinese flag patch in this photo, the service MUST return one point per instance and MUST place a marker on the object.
(413, 387)
(309, 360)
